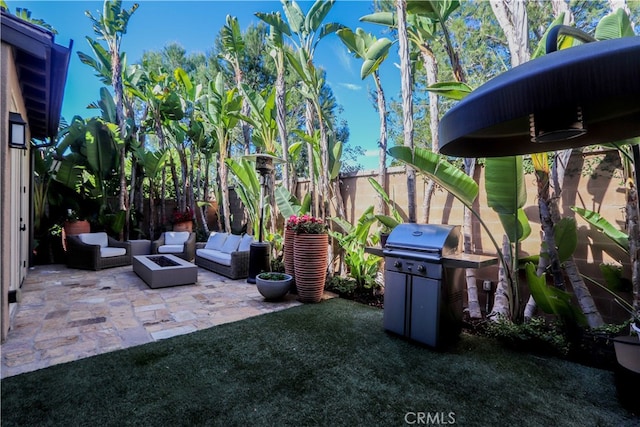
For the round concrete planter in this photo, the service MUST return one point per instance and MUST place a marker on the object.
(273, 289)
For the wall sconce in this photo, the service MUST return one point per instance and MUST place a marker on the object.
(17, 131)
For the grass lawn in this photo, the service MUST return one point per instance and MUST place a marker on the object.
(327, 364)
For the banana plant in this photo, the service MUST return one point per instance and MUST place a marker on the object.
(353, 239)
(221, 108)
(248, 189)
(289, 205)
(389, 222)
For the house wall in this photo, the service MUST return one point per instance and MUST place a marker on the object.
(593, 181)
(14, 193)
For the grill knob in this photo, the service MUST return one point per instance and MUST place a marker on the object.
(421, 268)
(397, 264)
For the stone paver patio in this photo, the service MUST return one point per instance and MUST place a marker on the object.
(67, 314)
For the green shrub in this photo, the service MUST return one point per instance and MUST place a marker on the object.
(536, 336)
(342, 285)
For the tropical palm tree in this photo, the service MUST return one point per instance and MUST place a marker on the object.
(373, 52)
(221, 111)
(276, 41)
(234, 45)
(110, 26)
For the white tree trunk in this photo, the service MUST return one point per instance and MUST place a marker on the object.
(381, 206)
(503, 295)
(512, 16)
(407, 102)
(431, 70)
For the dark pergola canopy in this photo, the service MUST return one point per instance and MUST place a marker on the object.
(42, 72)
(584, 95)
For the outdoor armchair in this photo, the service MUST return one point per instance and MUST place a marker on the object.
(95, 251)
(179, 243)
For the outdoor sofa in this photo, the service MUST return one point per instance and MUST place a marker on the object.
(226, 254)
(95, 251)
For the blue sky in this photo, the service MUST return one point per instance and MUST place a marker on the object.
(194, 25)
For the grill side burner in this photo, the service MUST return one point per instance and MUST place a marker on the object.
(423, 297)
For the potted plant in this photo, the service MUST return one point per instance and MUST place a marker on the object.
(73, 225)
(272, 285)
(310, 257)
(183, 221)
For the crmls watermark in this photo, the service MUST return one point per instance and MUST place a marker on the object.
(430, 418)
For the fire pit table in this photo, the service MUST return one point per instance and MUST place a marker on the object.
(161, 271)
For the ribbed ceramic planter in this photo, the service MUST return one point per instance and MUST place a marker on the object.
(310, 265)
(183, 226)
(72, 228)
(289, 236)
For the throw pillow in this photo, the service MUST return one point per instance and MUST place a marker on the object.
(231, 244)
(216, 240)
(245, 243)
(176, 237)
(100, 239)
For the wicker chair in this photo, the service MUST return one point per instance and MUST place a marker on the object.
(187, 252)
(87, 256)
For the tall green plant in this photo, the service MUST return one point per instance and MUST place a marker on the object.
(362, 266)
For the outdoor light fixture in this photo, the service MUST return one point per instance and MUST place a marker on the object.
(584, 95)
(17, 131)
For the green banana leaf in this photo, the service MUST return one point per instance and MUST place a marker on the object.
(507, 194)
(452, 90)
(452, 179)
(614, 25)
(552, 300)
(565, 233)
(618, 237)
(613, 278)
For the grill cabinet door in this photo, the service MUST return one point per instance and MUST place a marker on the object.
(425, 310)
(395, 302)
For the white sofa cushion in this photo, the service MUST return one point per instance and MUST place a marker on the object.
(215, 256)
(99, 239)
(170, 249)
(231, 244)
(245, 243)
(216, 240)
(176, 237)
(110, 252)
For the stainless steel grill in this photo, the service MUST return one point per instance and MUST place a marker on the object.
(423, 295)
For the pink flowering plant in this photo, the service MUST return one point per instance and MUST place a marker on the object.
(185, 216)
(307, 224)
(291, 222)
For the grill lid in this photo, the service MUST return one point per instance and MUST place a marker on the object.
(434, 238)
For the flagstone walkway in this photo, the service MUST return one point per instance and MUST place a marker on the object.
(68, 314)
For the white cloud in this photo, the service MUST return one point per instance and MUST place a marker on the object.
(371, 153)
(351, 86)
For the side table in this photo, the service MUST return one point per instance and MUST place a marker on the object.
(140, 247)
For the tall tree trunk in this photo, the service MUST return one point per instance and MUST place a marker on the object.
(381, 206)
(512, 16)
(475, 311)
(312, 176)
(633, 229)
(431, 70)
(116, 81)
(224, 189)
(503, 295)
(281, 116)
(407, 102)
